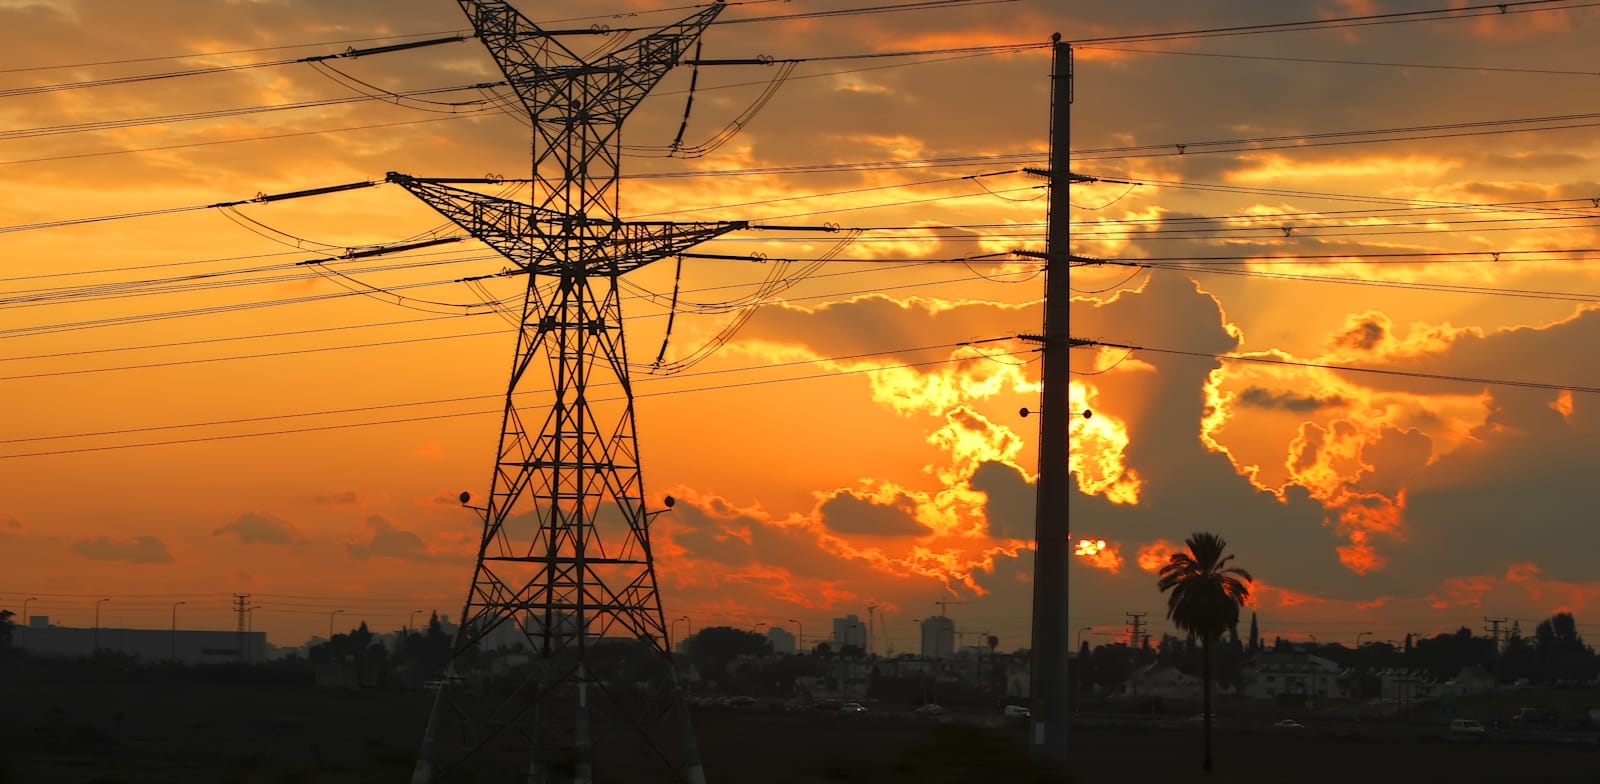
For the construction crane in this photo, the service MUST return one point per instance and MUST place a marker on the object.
(943, 605)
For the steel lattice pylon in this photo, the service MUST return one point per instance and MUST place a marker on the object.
(564, 562)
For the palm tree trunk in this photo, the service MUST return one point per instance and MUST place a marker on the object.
(1205, 691)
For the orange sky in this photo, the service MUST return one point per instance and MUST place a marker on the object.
(194, 416)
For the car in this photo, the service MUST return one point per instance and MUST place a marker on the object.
(853, 708)
(929, 709)
(1466, 729)
(1015, 712)
(1288, 724)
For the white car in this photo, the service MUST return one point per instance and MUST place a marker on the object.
(930, 709)
(1016, 712)
(1288, 724)
(855, 708)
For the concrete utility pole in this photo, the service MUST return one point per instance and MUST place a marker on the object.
(1048, 687)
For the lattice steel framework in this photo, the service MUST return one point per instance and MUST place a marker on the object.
(565, 557)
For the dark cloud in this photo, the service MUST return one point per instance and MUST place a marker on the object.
(139, 549)
(1259, 397)
(390, 541)
(1365, 334)
(252, 528)
(1012, 501)
(847, 513)
(345, 498)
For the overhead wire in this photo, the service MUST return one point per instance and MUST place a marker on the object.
(1346, 22)
(486, 412)
(1391, 372)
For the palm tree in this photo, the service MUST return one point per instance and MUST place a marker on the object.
(1205, 596)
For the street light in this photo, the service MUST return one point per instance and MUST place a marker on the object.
(25, 621)
(1080, 635)
(330, 623)
(174, 655)
(799, 635)
(97, 623)
(409, 619)
(672, 631)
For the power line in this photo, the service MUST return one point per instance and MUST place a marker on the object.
(1331, 61)
(486, 412)
(1337, 23)
(1431, 132)
(1521, 384)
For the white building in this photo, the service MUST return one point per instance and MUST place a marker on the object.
(1270, 674)
(782, 642)
(849, 630)
(938, 637)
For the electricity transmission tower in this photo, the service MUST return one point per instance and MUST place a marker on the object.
(564, 563)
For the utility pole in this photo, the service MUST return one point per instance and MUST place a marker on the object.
(1051, 710)
(564, 557)
(241, 606)
(870, 609)
(1136, 625)
(1494, 632)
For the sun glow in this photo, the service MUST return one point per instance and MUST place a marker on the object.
(1098, 444)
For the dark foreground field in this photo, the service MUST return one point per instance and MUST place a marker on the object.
(174, 733)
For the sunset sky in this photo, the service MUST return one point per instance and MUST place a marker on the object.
(191, 413)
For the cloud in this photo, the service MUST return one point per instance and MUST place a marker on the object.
(390, 541)
(139, 549)
(252, 528)
(1259, 397)
(847, 513)
(10, 526)
(1010, 501)
(345, 498)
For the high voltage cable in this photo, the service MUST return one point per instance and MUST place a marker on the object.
(824, 296)
(1516, 383)
(39, 89)
(1409, 212)
(1359, 198)
(445, 401)
(1335, 23)
(1323, 61)
(475, 106)
(1347, 138)
(1448, 288)
(923, 5)
(486, 412)
(407, 322)
(979, 160)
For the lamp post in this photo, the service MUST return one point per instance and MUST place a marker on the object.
(25, 621)
(409, 620)
(1080, 636)
(330, 623)
(97, 604)
(1361, 672)
(672, 631)
(174, 653)
(799, 635)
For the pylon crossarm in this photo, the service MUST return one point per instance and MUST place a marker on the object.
(537, 65)
(513, 229)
